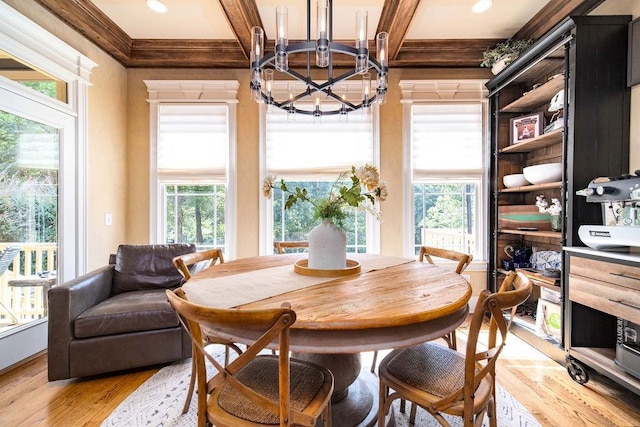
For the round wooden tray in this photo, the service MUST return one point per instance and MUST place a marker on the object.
(301, 267)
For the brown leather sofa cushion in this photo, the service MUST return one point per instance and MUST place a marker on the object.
(141, 267)
(127, 312)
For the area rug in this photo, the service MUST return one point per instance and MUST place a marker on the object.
(159, 402)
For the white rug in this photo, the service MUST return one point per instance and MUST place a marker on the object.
(159, 402)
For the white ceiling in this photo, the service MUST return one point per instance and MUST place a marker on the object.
(435, 19)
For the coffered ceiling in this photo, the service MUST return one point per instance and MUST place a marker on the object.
(216, 33)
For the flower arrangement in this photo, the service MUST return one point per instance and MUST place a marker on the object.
(543, 206)
(362, 192)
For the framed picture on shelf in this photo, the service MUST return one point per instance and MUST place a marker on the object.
(526, 127)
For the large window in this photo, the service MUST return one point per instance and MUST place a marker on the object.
(192, 161)
(445, 159)
(193, 146)
(312, 156)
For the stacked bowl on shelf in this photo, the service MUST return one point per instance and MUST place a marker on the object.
(537, 174)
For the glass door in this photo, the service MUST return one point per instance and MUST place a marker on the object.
(37, 181)
(29, 167)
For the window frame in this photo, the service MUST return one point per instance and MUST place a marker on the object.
(451, 92)
(181, 92)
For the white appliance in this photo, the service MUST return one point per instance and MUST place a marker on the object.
(620, 200)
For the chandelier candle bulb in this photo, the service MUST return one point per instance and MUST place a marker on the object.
(282, 60)
(362, 62)
(366, 88)
(257, 48)
(322, 43)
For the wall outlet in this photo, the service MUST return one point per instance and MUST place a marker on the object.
(108, 219)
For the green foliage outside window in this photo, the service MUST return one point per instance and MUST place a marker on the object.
(446, 211)
(196, 214)
(28, 196)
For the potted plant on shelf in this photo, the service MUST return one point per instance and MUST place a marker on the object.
(503, 54)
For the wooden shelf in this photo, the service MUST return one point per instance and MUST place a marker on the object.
(540, 280)
(528, 188)
(552, 234)
(603, 361)
(536, 97)
(544, 140)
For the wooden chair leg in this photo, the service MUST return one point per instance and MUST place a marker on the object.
(192, 381)
(373, 363)
(412, 413)
(451, 341)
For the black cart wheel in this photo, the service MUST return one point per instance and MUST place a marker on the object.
(577, 371)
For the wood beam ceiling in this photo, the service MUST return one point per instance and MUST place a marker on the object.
(88, 20)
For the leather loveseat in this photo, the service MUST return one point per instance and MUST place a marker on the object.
(117, 317)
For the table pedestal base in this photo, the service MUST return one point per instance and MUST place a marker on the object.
(355, 397)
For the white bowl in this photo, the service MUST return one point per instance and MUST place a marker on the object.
(515, 180)
(541, 174)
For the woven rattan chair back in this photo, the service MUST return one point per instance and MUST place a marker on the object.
(285, 247)
(193, 262)
(255, 389)
(448, 381)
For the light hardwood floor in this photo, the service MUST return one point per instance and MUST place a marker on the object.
(540, 384)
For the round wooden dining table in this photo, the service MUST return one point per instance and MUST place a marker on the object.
(391, 302)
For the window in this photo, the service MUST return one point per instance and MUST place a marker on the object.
(191, 179)
(312, 156)
(446, 158)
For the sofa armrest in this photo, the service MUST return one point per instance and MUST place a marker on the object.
(66, 302)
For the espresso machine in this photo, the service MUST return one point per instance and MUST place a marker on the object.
(620, 200)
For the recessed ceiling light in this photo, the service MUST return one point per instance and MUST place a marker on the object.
(481, 6)
(157, 6)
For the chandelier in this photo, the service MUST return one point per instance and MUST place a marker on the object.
(324, 48)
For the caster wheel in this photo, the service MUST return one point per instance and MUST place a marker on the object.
(577, 371)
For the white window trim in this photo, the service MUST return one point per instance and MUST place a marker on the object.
(450, 91)
(194, 91)
(266, 205)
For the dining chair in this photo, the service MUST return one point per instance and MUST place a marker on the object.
(191, 263)
(283, 247)
(442, 380)
(255, 389)
(428, 253)
(187, 265)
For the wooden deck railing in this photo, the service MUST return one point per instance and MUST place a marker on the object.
(23, 304)
(448, 239)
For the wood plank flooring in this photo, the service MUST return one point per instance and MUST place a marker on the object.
(539, 383)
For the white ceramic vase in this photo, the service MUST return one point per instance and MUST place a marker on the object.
(327, 247)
